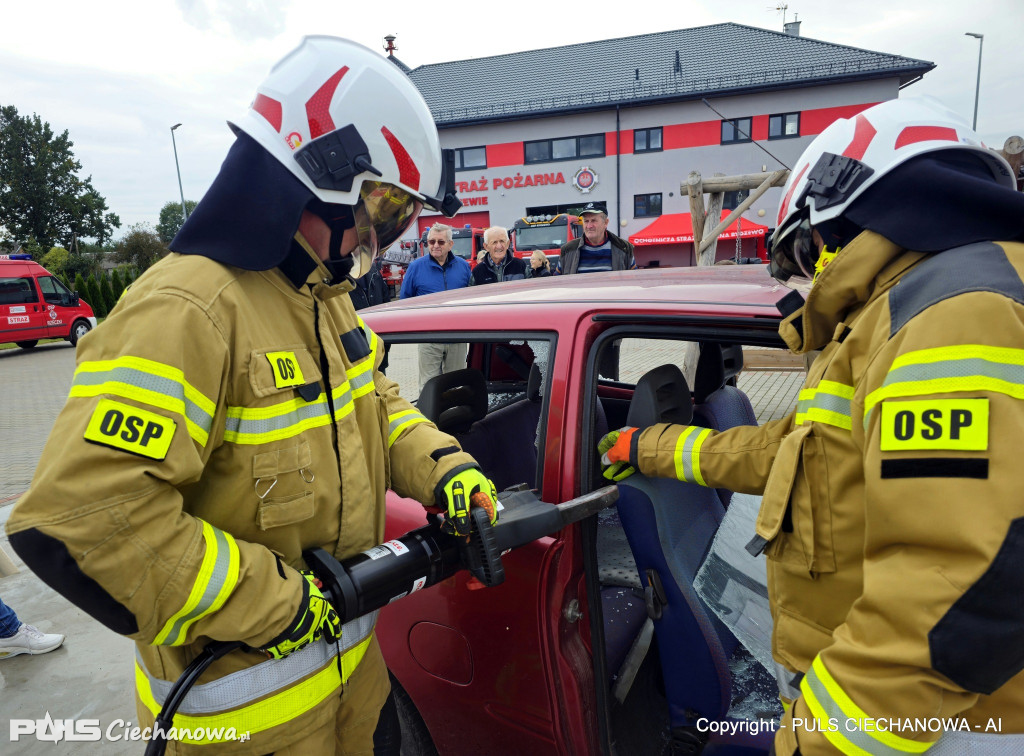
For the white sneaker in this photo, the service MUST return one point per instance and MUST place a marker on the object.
(29, 640)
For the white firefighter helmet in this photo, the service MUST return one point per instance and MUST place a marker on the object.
(355, 130)
(851, 155)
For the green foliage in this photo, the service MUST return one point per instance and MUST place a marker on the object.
(95, 298)
(55, 260)
(171, 219)
(42, 198)
(116, 284)
(80, 287)
(109, 300)
(140, 247)
(77, 263)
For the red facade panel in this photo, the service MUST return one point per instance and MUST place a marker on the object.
(699, 134)
(816, 121)
(759, 128)
(507, 153)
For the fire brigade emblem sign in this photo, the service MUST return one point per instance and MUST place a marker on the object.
(585, 179)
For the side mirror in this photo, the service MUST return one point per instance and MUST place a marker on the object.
(74, 299)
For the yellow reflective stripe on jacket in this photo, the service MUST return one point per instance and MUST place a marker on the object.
(266, 695)
(399, 421)
(148, 382)
(687, 454)
(850, 730)
(952, 369)
(828, 402)
(217, 578)
(260, 425)
(360, 377)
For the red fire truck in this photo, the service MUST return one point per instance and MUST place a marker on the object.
(544, 232)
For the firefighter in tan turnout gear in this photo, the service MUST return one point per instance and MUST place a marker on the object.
(893, 496)
(230, 413)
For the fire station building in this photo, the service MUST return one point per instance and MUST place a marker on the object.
(624, 122)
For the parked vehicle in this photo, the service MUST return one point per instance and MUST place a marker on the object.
(544, 232)
(35, 305)
(559, 659)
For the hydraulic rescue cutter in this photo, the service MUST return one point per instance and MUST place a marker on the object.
(383, 574)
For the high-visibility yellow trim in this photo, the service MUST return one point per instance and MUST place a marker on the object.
(245, 425)
(949, 370)
(687, 454)
(398, 428)
(266, 713)
(217, 578)
(147, 382)
(835, 703)
(828, 402)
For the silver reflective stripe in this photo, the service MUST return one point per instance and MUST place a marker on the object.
(213, 588)
(848, 727)
(149, 382)
(360, 380)
(978, 744)
(247, 685)
(244, 426)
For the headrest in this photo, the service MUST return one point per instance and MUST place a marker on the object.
(661, 396)
(716, 365)
(454, 401)
(533, 383)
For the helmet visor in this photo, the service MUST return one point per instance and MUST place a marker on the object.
(794, 253)
(383, 214)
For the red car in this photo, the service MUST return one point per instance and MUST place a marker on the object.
(560, 658)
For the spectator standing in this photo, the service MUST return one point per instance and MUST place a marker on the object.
(438, 270)
(18, 638)
(498, 265)
(599, 250)
(540, 265)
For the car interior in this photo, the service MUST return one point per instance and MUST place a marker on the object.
(670, 660)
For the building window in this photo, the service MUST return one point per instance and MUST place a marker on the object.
(784, 126)
(564, 148)
(647, 140)
(736, 130)
(469, 158)
(646, 205)
(732, 199)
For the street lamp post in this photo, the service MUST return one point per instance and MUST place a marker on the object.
(184, 210)
(977, 86)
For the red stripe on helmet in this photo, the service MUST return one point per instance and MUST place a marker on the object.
(270, 109)
(789, 194)
(408, 173)
(863, 133)
(914, 134)
(318, 107)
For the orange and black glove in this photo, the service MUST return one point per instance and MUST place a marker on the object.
(618, 452)
(316, 618)
(461, 488)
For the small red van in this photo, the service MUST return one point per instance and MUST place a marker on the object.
(35, 305)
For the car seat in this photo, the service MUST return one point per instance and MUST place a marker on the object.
(669, 526)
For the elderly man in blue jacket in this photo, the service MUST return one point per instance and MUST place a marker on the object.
(439, 270)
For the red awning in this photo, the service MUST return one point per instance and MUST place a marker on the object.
(675, 228)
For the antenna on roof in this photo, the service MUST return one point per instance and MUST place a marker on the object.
(781, 7)
(390, 48)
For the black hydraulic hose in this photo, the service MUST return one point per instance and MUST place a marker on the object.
(165, 721)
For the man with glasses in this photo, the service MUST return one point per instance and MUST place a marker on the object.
(438, 270)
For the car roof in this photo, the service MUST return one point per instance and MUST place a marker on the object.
(725, 290)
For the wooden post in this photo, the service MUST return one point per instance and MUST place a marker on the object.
(695, 188)
(778, 178)
(708, 247)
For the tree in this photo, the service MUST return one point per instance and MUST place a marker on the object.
(171, 219)
(139, 248)
(42, 198)
(116, 284)
(55, 260)
(95, 299)
(80, 287)
(107, 293)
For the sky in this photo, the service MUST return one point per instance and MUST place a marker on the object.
(117, 74)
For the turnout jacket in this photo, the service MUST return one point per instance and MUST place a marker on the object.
(219, 422)
(892, 512)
